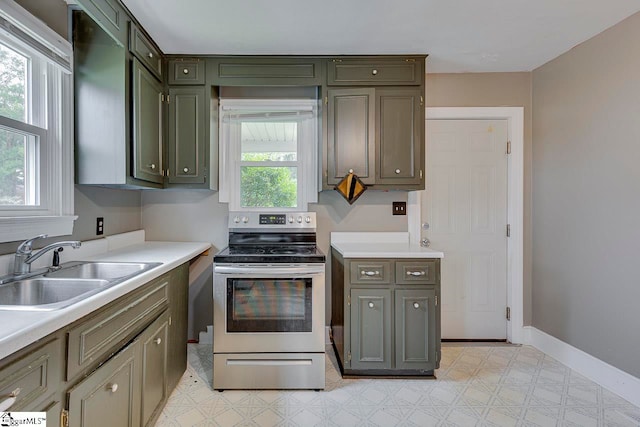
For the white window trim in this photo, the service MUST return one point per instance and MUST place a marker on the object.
(229, 188)
(55, 215)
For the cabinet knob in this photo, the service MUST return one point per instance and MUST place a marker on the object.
(416, 273)
(374, 72)
(350, 170)
(112, 387)
(185, 71)
(397, 170)
(152, 165)
(185, 170)
(416, 305)
(370, 304)
(150, 55)
(158, 340)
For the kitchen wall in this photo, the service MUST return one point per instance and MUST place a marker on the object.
(586, 194)
(120, 208)
(494, 90)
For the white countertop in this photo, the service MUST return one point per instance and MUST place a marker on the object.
(21, 328)
(379, 245)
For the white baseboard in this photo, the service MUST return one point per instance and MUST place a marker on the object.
(613, 379)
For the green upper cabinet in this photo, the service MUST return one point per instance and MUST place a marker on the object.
(351, 134)
(143, 48)
(375, 128)
(109, 15)
(186, 71)
(376, 71)
(266, 71)
(187, 135)
(147, 93)
(400, 136)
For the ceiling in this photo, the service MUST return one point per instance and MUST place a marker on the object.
(458, 35)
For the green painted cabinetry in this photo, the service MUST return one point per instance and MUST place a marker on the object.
(266, 71)
(110, 15)
(114, 367)
(187, 148)
(375, 128)
(385, 318)
(148, 95)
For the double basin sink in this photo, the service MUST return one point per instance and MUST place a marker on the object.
(71, 283)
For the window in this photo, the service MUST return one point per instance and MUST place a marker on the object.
(36, 135)
(268, 154)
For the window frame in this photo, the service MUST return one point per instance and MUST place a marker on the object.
(306, 152)
(50, 119)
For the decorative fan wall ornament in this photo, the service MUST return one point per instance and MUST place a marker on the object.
(350, 187)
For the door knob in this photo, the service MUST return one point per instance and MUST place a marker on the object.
(158, 340)
(186, 71)
(370, 304)
(185, 170)
(112, 387)
(416, 305)
(397, 170)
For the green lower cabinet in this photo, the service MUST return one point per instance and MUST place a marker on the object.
(371, 329)
(109, 396)
(153, 367)
(415, 324)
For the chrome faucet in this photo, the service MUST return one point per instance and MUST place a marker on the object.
(24, 254)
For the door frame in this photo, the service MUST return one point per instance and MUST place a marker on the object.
(515, 202)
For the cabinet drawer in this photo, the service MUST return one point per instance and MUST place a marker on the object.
(109, 15)
(97, 336)
(404, 71)
(186, 72)
(32, 377)
(145, 51)
(418, 272)
(370, 271)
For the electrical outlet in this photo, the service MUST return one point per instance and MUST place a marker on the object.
(99, 226)
(399, 208)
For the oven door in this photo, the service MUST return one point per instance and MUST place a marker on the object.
(268, 308)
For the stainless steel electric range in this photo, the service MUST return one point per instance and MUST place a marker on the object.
(269, 302)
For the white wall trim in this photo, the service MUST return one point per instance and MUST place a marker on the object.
(515, 214)
(613, 379)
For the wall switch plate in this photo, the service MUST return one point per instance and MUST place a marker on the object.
(99, 226)
(399, 208)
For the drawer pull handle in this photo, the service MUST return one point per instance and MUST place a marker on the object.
(370, 304)
(112, 387)
(7, 403)
(397, 171)
(370, 273)
(416, 305)
(374, 72)
(186, 71)
(350, 170)
(158, 340)
(416, 273)
(185, 170)
(150, 55)
(152, 165)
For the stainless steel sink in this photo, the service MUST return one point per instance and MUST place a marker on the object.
(101, 270)
(46, 294)
(72, 283)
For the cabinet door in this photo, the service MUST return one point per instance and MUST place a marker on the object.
(187, 116)
(153, 348)
(147, 125)
(375, 71)
(351, 134)
(110, 396)
(415, 334)
(179, 306)
(371, 329)
(399, 133)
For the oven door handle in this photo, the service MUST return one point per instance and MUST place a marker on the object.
(306, 270)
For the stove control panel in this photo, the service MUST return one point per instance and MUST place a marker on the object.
(281, 221)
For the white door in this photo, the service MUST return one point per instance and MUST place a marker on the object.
(465, 205)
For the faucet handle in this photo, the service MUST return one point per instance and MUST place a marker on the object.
(25, 247)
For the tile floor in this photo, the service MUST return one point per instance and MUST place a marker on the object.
(476, 386)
